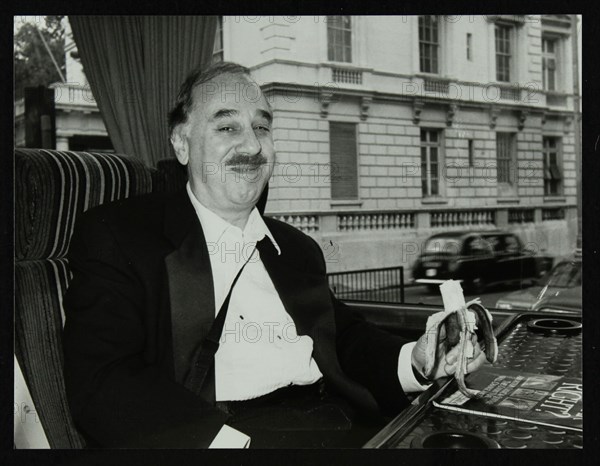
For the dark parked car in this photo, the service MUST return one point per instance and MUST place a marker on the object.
(477, 259)
(559, 289)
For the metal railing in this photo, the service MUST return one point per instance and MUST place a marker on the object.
(381, 285)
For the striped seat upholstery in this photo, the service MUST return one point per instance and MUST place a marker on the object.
(52, 188)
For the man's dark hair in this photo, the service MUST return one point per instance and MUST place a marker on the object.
(179, 113)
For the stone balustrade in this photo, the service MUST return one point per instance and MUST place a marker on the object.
(346, 76)
(465, 218)
(436, 85)
(73, 94)
(324, 223)
(553, 213)
(305, 223)
(521, 215)
(345, 222)
(510, 93)
(375, 221)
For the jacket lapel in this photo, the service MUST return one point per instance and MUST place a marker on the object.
(189, 275)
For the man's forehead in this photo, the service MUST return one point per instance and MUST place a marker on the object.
(230, 91)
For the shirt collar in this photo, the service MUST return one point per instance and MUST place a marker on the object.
(214, 226)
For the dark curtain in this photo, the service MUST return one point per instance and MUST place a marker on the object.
(135, 65)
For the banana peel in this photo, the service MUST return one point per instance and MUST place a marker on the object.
(463, 325)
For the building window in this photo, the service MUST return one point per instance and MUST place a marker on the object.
(428, 43)
(469, 46)
(549, 59)
(217, 55)
(503, 52)
(430, 162)
(552, 166)
(344, 163)
(505, 158)
(339, 38)
(471, 153)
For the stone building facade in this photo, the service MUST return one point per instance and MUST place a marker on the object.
(389, 129)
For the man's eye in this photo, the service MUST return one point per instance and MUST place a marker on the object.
(226, 129)
(264, 128)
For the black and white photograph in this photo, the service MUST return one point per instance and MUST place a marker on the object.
(296, 232)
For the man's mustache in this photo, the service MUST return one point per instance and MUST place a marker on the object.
(245, 160)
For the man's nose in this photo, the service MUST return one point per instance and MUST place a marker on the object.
(249, 143)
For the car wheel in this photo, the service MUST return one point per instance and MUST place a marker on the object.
(476, 285)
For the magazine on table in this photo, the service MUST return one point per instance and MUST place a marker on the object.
(549, 400)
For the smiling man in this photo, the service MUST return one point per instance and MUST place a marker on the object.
(192, 320)
(225, 139)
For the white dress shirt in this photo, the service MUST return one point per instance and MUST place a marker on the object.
(260, 350)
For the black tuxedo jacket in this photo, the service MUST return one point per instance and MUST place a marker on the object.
(142, 298)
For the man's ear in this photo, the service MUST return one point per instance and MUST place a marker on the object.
(180, 145)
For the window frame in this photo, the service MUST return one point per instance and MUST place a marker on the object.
(507, 186)
(548, 174)
(331, 48)
(218, 54)
(556, 56)
(471, 152)
(436, 45)
(469, 46)
(510, 55)
(427, 145)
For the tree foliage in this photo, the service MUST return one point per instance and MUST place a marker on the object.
(33, 65)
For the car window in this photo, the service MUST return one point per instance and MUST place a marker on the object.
(443, 245)
(512, 244)
(495, 243)
(477, 246)
(564, 275)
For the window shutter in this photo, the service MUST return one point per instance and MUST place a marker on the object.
(344, 170)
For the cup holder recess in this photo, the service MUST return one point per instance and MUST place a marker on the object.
(556, 326)
(454, 439)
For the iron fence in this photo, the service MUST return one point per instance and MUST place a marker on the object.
(381, 285)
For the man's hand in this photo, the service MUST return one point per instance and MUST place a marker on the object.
(446, 362)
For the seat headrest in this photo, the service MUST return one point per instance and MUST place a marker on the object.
(53, 187)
